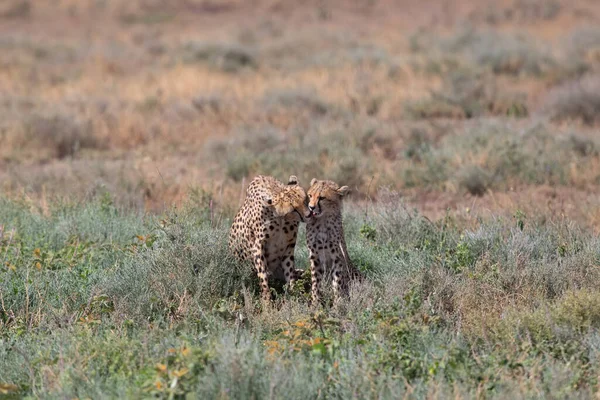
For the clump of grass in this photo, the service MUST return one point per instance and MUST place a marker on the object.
(225, 57)
(520, 11)
(534, 155)
(474, 179)
(16, 9)
(582, 146)
(58, 135)
(207, 103)
(433, 108)
(555, 327)
(146, 18)
(322, 49)
(503, 54)
(467, 94)
(583, 44)
(301, 99)
(575, 100)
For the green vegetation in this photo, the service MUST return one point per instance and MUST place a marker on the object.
(576, 100)
(468, 93)
(101, 302)
(125, 150)
(484, 155)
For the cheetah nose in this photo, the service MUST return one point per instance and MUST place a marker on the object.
(311, 208)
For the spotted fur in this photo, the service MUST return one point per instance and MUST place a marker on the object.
(325, 238)
(265, 228)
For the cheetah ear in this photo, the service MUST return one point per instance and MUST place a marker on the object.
(293, 180)
(314, 180)
(343, 190)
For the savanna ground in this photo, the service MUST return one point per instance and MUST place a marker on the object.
(467, 131)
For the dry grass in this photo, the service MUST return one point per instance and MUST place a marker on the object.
(575, 100)
(145, 92)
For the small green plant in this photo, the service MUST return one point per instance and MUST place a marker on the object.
(520, 219)
(368, 232)
(176, 375)
(462, 256)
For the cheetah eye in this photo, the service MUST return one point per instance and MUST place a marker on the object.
(321, 198)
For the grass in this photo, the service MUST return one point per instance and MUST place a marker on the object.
(67, 129)
(489, 154)
(583, 43)
(468, 148)
(502, 53)
(100, 302)
(330, 153)
(225, 57)
(62, 136)
(520, 12)
(575, 100)
(468, 93)
(16, 9)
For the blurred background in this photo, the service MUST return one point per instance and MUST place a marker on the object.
(463, 106)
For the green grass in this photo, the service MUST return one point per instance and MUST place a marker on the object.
(101, 302)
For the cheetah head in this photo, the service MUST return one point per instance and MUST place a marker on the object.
(325, 196)
(291, 202)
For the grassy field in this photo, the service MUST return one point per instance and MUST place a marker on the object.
(467, 131)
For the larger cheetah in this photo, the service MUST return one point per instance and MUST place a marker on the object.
(265, 228)
(325, 237)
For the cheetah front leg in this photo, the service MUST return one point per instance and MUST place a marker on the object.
(316, 272)
(260, 264)
(337, 267)
(287, 260)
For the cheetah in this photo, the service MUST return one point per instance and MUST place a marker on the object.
(325, 238)
(265, 228)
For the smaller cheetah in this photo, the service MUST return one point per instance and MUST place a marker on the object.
(325, 238)
(265, 228)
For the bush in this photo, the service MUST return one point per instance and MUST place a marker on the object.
(16, 9)
(576, 100)
(467, 94)
(61, 135)
(520, 11)
(474, 179)
(583, 44)
(296, 100)
(225, 57)
(534, 155)
(503, 54)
